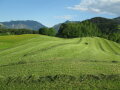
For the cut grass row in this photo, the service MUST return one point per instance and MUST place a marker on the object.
(62, 82)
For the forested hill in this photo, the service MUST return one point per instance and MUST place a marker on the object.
(105, 24)
(98, 20)
(98, 26)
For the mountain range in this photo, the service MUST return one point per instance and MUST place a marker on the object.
(21, 24)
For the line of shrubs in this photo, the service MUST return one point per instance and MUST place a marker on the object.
(43, 31)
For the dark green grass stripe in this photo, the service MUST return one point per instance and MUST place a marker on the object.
(111, 48)
(115, 44)
(24, 62)
(101, 47)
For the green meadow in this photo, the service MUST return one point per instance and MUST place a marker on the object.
(38, 62)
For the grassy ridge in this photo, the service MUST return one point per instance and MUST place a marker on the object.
(39, 55)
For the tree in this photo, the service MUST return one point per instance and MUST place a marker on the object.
(43, 31)
(47, 31)
(51, 32)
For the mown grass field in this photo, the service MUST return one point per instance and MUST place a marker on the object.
(37, 62)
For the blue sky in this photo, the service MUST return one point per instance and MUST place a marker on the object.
(51, 12)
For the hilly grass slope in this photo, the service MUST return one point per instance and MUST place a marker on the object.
(24, 55)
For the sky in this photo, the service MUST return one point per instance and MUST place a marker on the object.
(51, 12)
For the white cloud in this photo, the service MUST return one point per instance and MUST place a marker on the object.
(98, 6)
(66, 17)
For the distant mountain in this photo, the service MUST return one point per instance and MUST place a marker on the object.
(57, 26)
(28, 24)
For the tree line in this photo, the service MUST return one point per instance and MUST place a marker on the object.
(43, 31)
(4, 31)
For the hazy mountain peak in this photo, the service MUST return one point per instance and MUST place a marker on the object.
(26, 24)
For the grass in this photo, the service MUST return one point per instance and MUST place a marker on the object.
(59, 82)
(42, 56)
